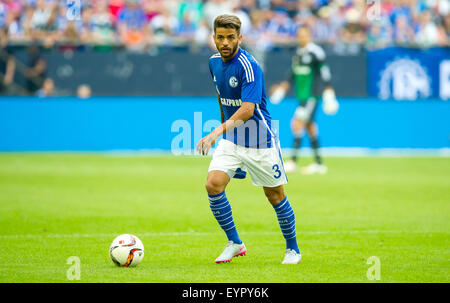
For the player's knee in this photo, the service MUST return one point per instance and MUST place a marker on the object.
(297, 126)
(312, 129)
(213, 187)
(274, 196)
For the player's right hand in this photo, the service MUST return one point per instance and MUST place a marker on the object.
(205, 144)
(278, 92)
(277, 95)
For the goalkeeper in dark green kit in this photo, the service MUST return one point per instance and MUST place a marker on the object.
(308, 72)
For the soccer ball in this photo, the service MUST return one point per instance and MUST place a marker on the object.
(126, 250)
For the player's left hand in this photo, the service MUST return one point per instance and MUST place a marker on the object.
(330, 104)
(205, 144)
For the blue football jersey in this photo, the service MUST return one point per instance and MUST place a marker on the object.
(238, 80)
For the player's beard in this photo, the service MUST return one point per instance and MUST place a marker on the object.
(231, 54)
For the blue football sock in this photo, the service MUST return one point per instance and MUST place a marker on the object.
(221, 210)
(286, 219)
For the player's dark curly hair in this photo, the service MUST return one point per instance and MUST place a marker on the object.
(227, 21)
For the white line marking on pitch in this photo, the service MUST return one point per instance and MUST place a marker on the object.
(193, 233)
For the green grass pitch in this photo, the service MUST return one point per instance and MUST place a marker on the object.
(54, 206)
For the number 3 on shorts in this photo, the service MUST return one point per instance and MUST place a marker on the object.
(277, 171)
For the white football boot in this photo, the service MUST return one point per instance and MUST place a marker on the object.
(290, 166)
(231, 250)
(291, 257)
(314, 168)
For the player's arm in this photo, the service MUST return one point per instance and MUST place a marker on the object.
(285, 85)
(330, 104)
(278, 92)
(10, 70)
(324, 68)
(244, 113)
(325, 75)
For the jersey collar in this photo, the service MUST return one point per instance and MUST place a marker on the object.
(234, 58)
(302, 50)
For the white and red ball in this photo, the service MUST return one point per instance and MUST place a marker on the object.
(126, 250)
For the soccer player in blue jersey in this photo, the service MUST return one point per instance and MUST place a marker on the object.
(249, 143)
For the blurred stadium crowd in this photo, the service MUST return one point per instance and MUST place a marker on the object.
(143, 26)
(138, 24)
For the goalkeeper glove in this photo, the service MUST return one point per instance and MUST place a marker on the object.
(277, 95)
(330, 104)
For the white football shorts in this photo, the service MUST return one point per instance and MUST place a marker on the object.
(264, 165)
